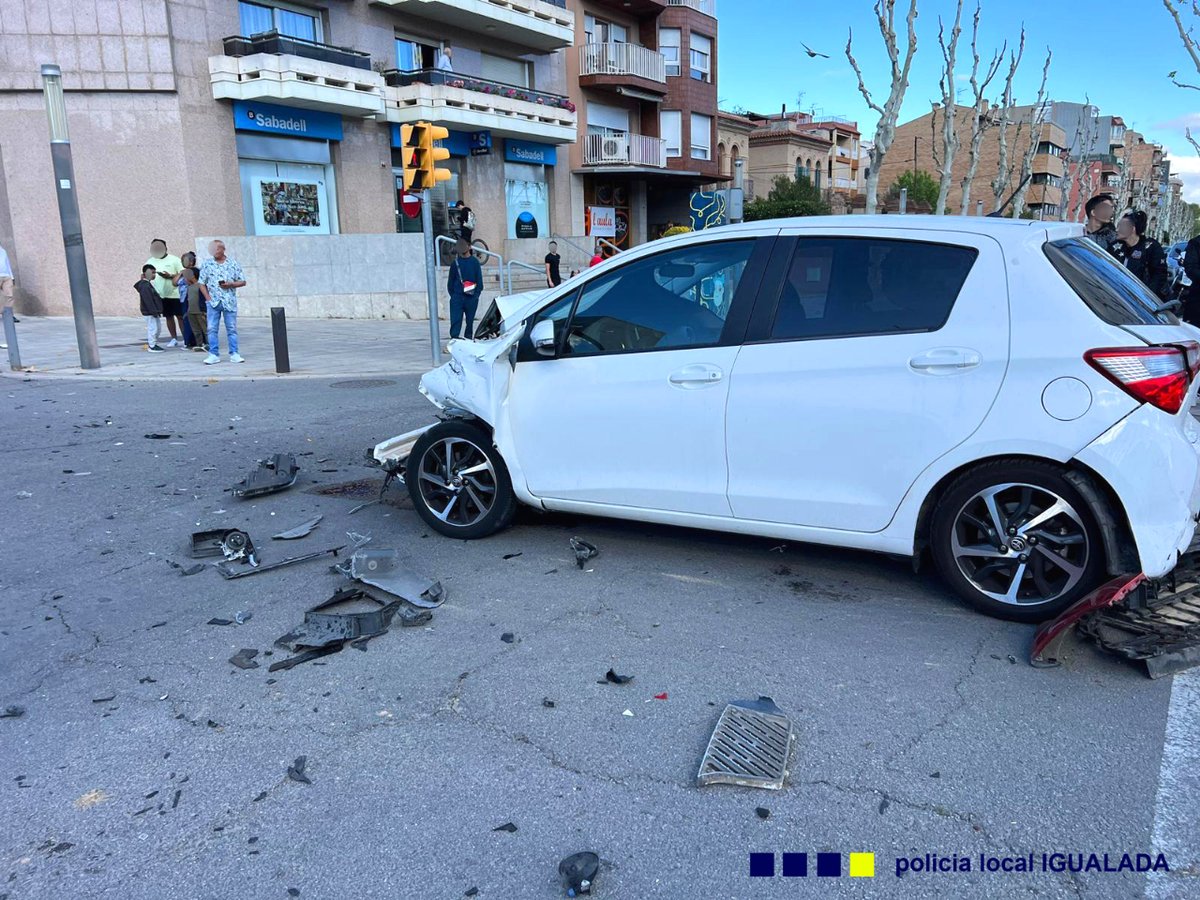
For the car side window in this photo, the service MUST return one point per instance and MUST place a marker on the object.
(678, 298)
(841, 287)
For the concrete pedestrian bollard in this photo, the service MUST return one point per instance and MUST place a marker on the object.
(10, 338)
(283, 364)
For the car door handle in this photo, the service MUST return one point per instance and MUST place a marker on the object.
(695, 376)
(945, 360)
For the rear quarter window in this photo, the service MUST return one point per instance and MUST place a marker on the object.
(1105, 285)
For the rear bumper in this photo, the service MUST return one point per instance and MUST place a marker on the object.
(1154, 467)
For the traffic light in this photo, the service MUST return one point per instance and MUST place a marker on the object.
(421, 157)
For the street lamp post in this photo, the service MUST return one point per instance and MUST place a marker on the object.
(68, 214)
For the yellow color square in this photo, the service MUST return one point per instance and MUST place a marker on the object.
(862, 865)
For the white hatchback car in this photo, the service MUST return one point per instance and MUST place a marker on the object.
(999, 394)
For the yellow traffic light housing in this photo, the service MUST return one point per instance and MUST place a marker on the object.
(420, 157)
(408, 154)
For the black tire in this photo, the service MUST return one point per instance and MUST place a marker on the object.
(979, 563)
(459, 506)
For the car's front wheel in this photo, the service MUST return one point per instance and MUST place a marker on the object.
(1017, 541)
(459, 483)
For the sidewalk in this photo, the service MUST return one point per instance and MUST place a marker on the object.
(318, 348)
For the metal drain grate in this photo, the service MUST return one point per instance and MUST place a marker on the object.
(750, 746)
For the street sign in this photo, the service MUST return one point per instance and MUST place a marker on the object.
(410, 204)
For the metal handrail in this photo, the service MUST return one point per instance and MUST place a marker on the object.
(527, 266)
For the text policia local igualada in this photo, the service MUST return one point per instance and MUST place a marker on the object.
(935, 863)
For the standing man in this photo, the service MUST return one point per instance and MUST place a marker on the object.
(1143, 256)
(220, 277)
(553, 260)
(168, 268)
(464, 286)
(1191, 268)
(1099, 226)
(6, 287)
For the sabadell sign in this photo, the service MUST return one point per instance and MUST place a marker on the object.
(271, 119)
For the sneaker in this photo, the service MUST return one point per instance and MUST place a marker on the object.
(212, 359)
(173, 343)
(236, 357)
(154, 348)
(199, 348)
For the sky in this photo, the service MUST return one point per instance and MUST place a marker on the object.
(762, 64)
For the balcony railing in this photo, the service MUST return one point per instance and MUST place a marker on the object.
(397, 78)
(617, 58)
(280, 44)
(708, 7)
(624, 150)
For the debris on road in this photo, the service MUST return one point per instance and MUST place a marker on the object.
(219, 622)
(12, 712)
(507, 637)
(579, 871)
(762, 812)
(611, 677)
(271, 475)
(228, 571)
(244, 659)
(507, 826)
(382, 569)
(232, 543)
(628, 712)
(750, 746)
(24, 495)
(363, 506)
(156, 436)
(194, 569)
(307, 656)
(513, 555)
(242, 617)
(107, 699)
(662, 696)
(548, 703)
(583, 551)
(296, 770)
(91, 798)
(303, 530)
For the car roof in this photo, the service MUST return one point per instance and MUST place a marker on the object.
(1004, 230)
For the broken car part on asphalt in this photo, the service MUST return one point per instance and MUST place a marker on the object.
(583, 551)
(382, 569)
(299, 531)
(232, 543)
(750, 746)
(270, 475)
(1156, 621)
(579, 871)
(229, 571)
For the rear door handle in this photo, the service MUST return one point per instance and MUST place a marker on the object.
(945, 361)
(696, 376)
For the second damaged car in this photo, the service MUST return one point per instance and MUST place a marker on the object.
(997, 395)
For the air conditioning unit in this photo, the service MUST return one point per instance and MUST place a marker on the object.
(612, 148)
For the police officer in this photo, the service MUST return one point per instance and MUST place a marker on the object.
(1141, 255)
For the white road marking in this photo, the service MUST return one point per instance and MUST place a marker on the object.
(1176, 831)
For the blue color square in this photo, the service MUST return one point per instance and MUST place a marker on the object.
(762, 865)
(829, 865)
(795, 865)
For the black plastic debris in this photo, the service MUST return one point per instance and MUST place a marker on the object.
(296, 770)
(382, 569)
(293, 892)
(232, 543)
(155, 436)
(513, 555)
(548, 703)
(351, 615)
(228, 571)
(583, 551)
(302, 530)
(307, 656)
(12, 712)
(611, 677)
(261, 796)
(471, 892)
(411, 618)
(762, 812)
(107, 699)
(507, 637)
(507, 826)
(276, 473)
(194, 569)
(219, 622)
(244, 659)
(579, 871)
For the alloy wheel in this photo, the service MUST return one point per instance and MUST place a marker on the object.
(1020, 544)
(457, 482)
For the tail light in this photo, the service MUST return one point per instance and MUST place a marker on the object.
(1158, 375)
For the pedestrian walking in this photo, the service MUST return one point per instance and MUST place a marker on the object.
(197, 312)
(220, 278)
(6, 287)
(553, 261)
(1143, 256)
(151, 305)
(465, 286)
(167, 269)
(1099, 226)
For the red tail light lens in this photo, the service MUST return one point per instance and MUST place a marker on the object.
(1159, 375)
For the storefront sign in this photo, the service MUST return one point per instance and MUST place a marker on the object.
(528, 207)
(602, 221)
(530, 152)
(270, 119)
(481, 143)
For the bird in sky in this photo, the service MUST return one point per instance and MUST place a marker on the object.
(813, 53)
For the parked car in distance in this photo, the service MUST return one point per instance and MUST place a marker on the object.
(998, 395)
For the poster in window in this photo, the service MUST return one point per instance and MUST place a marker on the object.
(288, 207)
(528, 207)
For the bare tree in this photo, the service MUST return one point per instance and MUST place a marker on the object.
(980, 118)
(1003, 179)
(1191, 45)
(950, 140)
(885, 131)
(1037, 119)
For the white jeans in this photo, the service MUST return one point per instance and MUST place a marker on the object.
(152, 323)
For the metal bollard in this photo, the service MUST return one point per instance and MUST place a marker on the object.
(283, 364)
(10, 338)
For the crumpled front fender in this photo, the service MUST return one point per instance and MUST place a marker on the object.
(475, 379)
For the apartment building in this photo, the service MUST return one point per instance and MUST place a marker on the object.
(825, 150)
(274, 124)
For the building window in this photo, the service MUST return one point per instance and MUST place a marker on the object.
(605, 119)
(701, 136)
(506, 71)
(1047, 147)
(292, 21)
(701, 57)
(411, 56)
(668, 46)
(598, 31)
(671, 126)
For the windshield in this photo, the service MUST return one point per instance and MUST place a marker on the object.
(1105, 285)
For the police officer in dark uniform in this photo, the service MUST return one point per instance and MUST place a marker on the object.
(1141, 255)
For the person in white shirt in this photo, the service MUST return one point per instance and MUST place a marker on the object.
(6, 286)
(444, 63)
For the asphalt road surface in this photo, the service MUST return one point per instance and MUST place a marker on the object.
(145, 765)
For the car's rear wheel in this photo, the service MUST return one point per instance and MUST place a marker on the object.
(1017, 541)
(458, 482)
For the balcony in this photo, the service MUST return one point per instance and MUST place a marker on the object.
(629, 69)
(271, 67)
(708, 7)
(537, 24)
(1048, 164)
(476, 104)
(624, 150)
(1043, 195)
